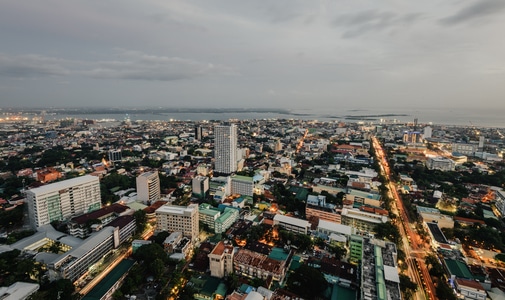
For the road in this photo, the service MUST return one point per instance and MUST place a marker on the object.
(412, 243)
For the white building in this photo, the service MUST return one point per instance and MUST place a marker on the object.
(148, 187)
(18, 291)
(63, 200)
(225, 149)
(440, 163)
(292, 224)
(178, 218)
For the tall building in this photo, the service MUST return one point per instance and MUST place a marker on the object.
(198, 132)
(62, 200)
(225, 149)
(148, 187)
(178, 218)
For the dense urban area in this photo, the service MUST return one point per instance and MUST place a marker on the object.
(250, 209)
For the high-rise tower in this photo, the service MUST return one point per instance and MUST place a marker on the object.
(225, 149)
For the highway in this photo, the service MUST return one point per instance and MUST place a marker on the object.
(413, 246)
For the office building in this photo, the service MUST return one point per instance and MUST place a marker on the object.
(178, 218)
(62, 200)
(292, 224)
(362, 220)
(225, 149)
(148, 187)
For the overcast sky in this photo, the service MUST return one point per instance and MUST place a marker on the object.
(281, 54)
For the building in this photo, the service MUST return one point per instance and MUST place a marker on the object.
(136, 244)
(292, 224)
(221, 260)
(200, 186)
(225, 149)
(218, 220)
(178, 218)
(470, 289)
(198, 132)
(440, 163)
(465, 148)
(115, 155)
(500, 202)
(334, 231)
(81, 226)
(76, 262)
(379, 271)
(253, 264)
(18, 291)
(242, 185)
(430, 215)
(148, 187)
(111, 282)
(62, 200)
(362, 220)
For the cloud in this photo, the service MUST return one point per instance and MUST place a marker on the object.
(160, 68)
(133, 66)
(29, 66)
(357, 24)
(480, 9)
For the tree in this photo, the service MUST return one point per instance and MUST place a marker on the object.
(140, 220)
(407, 286)
(307, 282)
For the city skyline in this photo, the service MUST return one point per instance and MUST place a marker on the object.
(262, 54)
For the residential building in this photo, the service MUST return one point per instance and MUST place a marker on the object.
(148, 187)
(242, 185)
(62, 200)
(221, 260)
(225, 149)
(178, 218)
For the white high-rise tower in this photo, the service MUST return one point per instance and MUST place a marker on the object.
(225, 149)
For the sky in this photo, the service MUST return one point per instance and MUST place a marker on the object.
(249, 54)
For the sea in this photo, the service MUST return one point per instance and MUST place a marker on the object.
(483, 117)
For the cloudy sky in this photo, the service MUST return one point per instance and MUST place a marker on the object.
(282, 54)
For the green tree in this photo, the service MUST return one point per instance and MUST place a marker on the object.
(140, 220)
(407, 286)
(307, 282)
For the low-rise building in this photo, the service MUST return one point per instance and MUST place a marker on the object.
(292, 224)
(253, 264)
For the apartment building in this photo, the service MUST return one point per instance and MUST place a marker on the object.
(148, 187)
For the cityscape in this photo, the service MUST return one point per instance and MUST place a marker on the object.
(250, 209)
(252, 150)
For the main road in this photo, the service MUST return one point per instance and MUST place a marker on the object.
(412, 243)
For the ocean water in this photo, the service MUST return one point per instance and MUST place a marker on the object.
(483, 117)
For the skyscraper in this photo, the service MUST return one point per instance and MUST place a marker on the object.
(62, 200)
(225, 149)
(198, 132)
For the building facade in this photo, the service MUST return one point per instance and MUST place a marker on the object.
(148, 187)
(178, 218)
(221, 260)
(62, 200)
(225, 149)
(200, 185)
